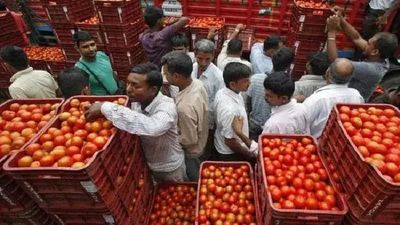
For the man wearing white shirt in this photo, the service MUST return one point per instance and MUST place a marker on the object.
(287, 116)
(231, 145)
(153, 116)
(232, 50)
(261, 54)
(320, 104)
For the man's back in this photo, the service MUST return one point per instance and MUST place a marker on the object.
(260, 62)
(308, 84)
(260, 109)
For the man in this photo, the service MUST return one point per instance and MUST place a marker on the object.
(156, 40)
(96, 64)
(320, 104)
(317, 64)
(73, 81)
(287, 116)
(391, 96)
(19, 22)
(261, 54)
(192, 107)
(231, 145)
(259, 110)
(232, 50)
(153, 117)
(27, 82)
(368, 74)
(181, 43)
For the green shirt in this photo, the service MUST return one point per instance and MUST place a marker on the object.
(101, 67)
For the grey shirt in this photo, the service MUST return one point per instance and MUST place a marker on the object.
(366, 76)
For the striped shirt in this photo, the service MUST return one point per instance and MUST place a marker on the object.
(261, 63)
(157, 127)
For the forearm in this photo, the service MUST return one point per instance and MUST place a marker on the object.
(349, 30)
(234, 34)
(245, 139)
(181, 23)
(331, 46)
(236, 147)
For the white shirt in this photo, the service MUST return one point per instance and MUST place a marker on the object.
(320, 104)
(381, 4)
(260, 62)
(157, 127)
(223, 58)
(228, 104)
(213, 81)
(308, 84)
(291, 118)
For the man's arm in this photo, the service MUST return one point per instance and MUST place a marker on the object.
(181, 23)
(239, 28)
(382, 20)
(332, 24)
(188, 128)
(16, 92)
(236, 147)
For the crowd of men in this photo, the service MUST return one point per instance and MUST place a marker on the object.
(186, 109)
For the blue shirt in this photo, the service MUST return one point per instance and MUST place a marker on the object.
(260, 109)
(260, 62)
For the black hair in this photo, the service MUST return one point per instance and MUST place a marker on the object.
(235, 71)
(280, 83)
(180, 39)
(282, 59)
(178, 62)
(319, 62)
(152, 15)
(72, 81)
(3, 6)
(234, 46)
(152, 73)
(81, 36)
(15, 57)
(387, 44)
(272, 42)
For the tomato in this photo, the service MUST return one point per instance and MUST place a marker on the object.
(65, 161)
(47, 161)
(100, 141)
(311, 203)
(89, 149)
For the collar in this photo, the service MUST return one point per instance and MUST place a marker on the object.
(277, 109)
(312, 77)
(232, 94)
(20, 73)
(184, 91)
(154, 103)
(332, 86)
(206, 72)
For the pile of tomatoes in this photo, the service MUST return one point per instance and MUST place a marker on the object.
(226, 196)
(45, 53)
(174, 204)
(21, 122)
(207, 22)
(91, 21)
(71, 141)
(376, 134)
(312, 4)
(295, 175)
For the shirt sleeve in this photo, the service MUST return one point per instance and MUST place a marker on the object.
(168, 32)
(16, 92)
(256, 50)
(223, 54)
(134, 122)
(188, 127)
(226, 120)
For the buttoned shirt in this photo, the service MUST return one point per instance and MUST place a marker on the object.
(223, 58)
(320, 104)
(213, 81)
(291, 118)
(381, 4)
(228, 104)
(308, 84)
(157, 127)
(30, 83)
(260, 62)
(192, 105)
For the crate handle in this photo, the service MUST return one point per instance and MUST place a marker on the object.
(48, 177)
(307, 217)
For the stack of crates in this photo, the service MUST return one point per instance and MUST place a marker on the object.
(122, 22)
(10, 34)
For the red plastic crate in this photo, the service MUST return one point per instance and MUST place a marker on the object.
(369, 196)
(310, 15)
(126, 56)
(64, 31)
(123, 35)
(272, 215)
(114, 12)
(30, 216)
(69, 11)
(95, 31)
(234, 165)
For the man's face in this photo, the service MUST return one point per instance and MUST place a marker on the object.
(273, 99)
(242, 85)
(88, 49)
(204, 59)
(180, 49)
(371, 50)
(138, 89)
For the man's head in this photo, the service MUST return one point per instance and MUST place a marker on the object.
(178, 67)
(339, 72)
(394, 97)
(279, 88)
(235, 47)
(237, 76)
(318, 63)
(153, 17)
(271, 44)
(204, 51)
(73, 81)
(382, 45)
(282, 59)
(3, 6)
(14, 57)
(180, 42)
(85, 44)
(144, 83)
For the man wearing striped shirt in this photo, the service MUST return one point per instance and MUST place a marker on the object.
(153, 116)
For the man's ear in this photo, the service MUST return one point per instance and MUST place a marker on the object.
(375, 52)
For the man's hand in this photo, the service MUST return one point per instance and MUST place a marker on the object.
(237, 124)
(381, 21)
(339, 11)
(212, 31)
(93, 112)
(240, 27)
(333, 23)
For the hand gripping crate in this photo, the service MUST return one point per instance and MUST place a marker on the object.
(370, 196)
(273, 215)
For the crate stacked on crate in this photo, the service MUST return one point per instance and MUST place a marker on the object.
(295, 193)
(50, 59)
(199, 28)
(10, 34)
(361, 142)
(16, 207)
(122, 22)
(92, 173)
(5, 76)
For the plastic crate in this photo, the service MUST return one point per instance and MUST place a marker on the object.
(234, 165)
(69, 11)
(114, 12)
(126, 56)
(273, 215)
(95, 31)
(123, 35)
(369, 196)
(30, 216)
(310, 15)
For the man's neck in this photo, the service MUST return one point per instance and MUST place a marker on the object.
(143, 105)
(186, 83)
(155, 28)
(232, 89)
(234, 55)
